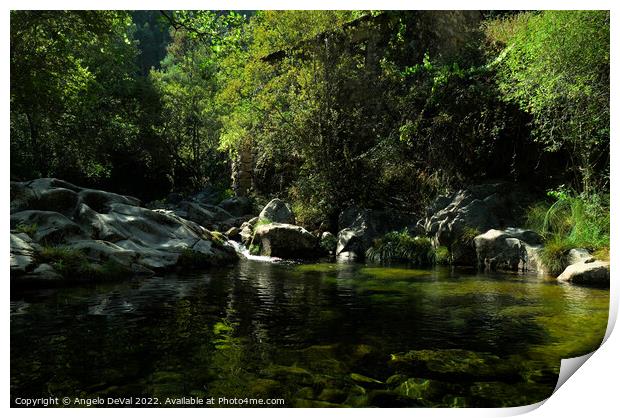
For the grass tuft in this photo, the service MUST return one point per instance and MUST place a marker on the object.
(400, 246)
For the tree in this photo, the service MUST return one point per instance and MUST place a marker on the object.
(555, 66)
(69, 77)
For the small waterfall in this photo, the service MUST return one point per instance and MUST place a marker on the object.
(245, 253)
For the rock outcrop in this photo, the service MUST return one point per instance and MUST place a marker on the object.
(511, 249)
(453, 221)
(358, 228)
(104, 227)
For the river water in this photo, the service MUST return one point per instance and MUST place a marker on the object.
(311, 334)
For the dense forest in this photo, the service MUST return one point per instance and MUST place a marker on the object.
(331, 107)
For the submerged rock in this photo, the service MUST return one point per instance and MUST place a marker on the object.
(105, 228)
(453, 363)
(285, 241)
(588, 272)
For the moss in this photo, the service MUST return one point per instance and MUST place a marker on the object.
(74, 265)
(442, 255)
(393, 273)
(28, 229)
(602, 254)
(261, 222)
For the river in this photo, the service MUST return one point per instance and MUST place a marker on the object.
(322, 334)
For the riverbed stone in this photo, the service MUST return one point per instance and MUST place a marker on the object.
(588, 272)
(577, 255)
(512, 249)
(22, 252)
(286, 241)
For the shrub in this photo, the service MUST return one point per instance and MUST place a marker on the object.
(400, 246)
(329, 243)
(571, 220)
(583, 220)
(254, 249)
(442, 255)
(554, 255)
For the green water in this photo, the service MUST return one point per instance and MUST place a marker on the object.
(313, 335)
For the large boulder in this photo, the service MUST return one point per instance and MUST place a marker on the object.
(453, 221)
(278, 211)
(105, 228)
(358, 227)
(206, 215)
(286, 241)
(512, 249)
(589, 272)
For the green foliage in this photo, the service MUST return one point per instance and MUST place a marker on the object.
(442, 255)
(29, 229)
(377, 109)
(400, 246)
(554, 255)
(467, 235)
(261, 222)
(583, 220)
(73, 265)
(555, 66)
(254, 249)
(571, 220)
(329, 243)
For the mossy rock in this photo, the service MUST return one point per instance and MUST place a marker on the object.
(365, 380)
(332, 395)
(293, 374)
(264, 387)
(452, 363)
(420, 389)
(309, 403)
(305, 393)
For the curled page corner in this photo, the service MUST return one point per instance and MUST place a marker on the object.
(569, 366)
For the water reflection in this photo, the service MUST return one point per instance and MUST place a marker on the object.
(316, 335)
